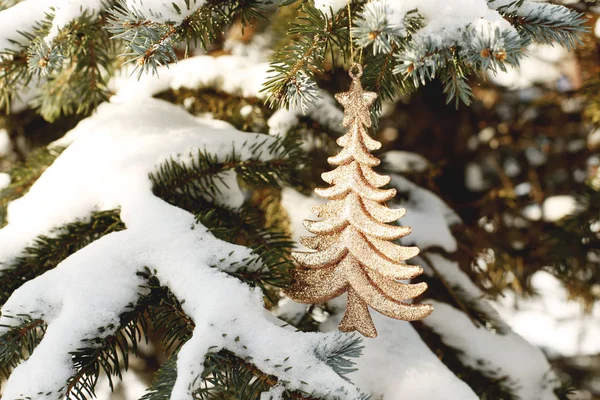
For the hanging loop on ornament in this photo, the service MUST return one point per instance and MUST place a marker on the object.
(358, 73)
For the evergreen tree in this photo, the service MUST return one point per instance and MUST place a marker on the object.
(146, 228)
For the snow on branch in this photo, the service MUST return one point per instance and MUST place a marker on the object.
(240, 75)
(106, 167)
(24, 17)
(56, 52)
(542, 22)
(496, 355)
(426, 39)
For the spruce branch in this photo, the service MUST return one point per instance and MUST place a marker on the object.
(18, 342)
(152, 44)
(195, 186)
(75, 67)
(295, 67)
(204, 174)
(47, 251)
(544, 23)
(372, 28)
(13, 72)
(227, 375)
(270, 246)
(109, 354)
(340, 358)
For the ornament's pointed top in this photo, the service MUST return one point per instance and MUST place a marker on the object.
(356, 101)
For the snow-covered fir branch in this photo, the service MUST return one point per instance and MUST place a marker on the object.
(146, 224)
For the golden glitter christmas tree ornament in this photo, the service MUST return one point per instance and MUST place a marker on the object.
(353, 248)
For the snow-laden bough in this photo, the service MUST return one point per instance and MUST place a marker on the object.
(106, 166)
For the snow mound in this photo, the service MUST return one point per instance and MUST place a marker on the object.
(241, 75)
(551, 319)
(23, 16)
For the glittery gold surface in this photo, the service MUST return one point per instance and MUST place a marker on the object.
(353, 251)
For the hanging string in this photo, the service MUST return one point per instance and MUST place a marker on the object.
(360, 54)
(350, 33)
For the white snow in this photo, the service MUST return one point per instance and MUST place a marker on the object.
(275, 393)
(551, 319)
(5, 145)
(326, 5)
(543, 66)
(236, 75)
(446, 20)
(558, 207)
(404, 161)
(107, 166)
(165, 11)
(496, 355)
(398, 365)
(24, 15)
(68, 10)
(474, 179)
(231, 74)
(20, 17)
(428, 216)
(594, 138)
(282, 121)
(532, 212)
(4, 180)
(246, 110)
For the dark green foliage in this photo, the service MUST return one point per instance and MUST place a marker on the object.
(75, 67)
(163, 382)
(565, 391)
(548, 24)
(227, 376)
(320, 45)
(574, 247)
(71, 71)
(110, 354)
(151, 44)
(340, 358)
(270, 245)
(205, 173)
(195, 186)
(18, 342)
(13, 71)
(81, 85)
(47, 251)
(294, 68)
